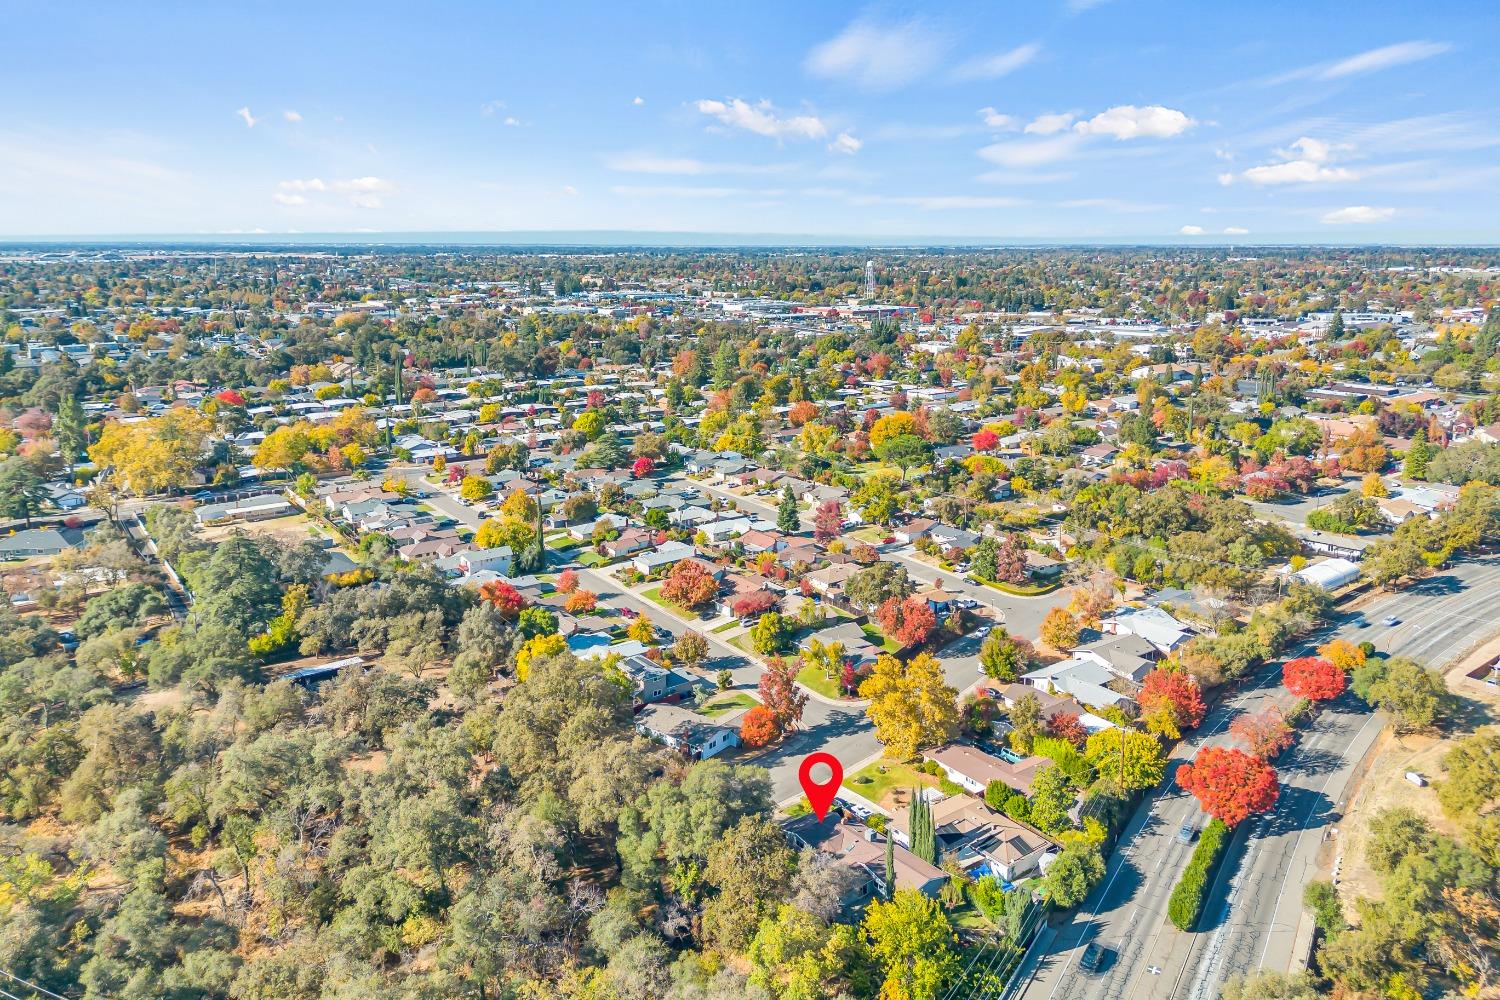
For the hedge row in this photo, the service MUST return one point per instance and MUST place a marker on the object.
(1186, 904)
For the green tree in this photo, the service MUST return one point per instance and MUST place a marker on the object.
(913, 946)
(923, 835)
(904, 451)
(769, 635)
(1417, 456)
(1051, 798)
(786, 514)
(23, 491)
(1076, 870)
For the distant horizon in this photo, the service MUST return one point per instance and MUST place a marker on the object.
(667, 239)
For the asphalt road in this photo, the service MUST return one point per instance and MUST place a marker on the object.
(1255, 905)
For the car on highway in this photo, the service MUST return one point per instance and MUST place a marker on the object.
(1186, 832)
(1095, 957)
(1390, 621)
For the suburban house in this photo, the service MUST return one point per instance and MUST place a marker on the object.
(950, 537)
(496, 560)
(694, 736)
(652, 681)
(982, 841)
(858, 649)
(973, 769)
(663, 556)
(1127, 656)
(39, 542)
(723, 531)
(1164, 632)
(1084, 680)
(916, 528)
(830, 580)
(862, 850)
(1042, 568)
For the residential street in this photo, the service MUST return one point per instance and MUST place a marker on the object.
(1253, 918)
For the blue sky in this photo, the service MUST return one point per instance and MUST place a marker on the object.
(1049, 119)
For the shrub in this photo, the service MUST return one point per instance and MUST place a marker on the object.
(1186, 903)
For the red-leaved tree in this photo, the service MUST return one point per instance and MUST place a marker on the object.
(581, 602)
(567, 582)
(642, 467)
(985, 440)
(753, 604)
(1230, 784)
(1171, 702)
(503, 596)
(780, 694)
(907, 621)
(1313, 678)
(1265, 733)
(1066, 726)
(689, 585)
(828, 520)
(758, 727)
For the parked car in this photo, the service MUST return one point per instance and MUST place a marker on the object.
(981, 631)
(203, 496)
(629, 612)
(971, 581)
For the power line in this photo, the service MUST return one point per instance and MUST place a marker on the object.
(28, 985)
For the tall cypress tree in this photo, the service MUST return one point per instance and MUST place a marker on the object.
(890, 867)
(923, 836)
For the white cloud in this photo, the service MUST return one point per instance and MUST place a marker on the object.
(1032, 152)
(995, 119)
(361, 192)
(292, 116)
(1236, 231)
(1049, 124)
(845, 144)
(1357, 214)
(685, 191)
(940, 202)
(650, 163)
(876, 56)
(569, 190)
(994, 66)
(762, 119)
(1126, 121)
(247, 117)
(1192, 231)
(1306, 161)
(1024, 177)
(511, 121)
(491, 108)
(638, 101)
(1226, 179)
(1113, 205)
(1384, 58)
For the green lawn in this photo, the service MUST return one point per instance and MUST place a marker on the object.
(881, 778)
(879, 638)
(562, 542)
(653, 594)
(731, 623)
(591, 558)
(720, 704)
(814, 679)
(1022, 590)
(871, 533)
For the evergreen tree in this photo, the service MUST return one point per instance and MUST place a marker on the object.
(923, 836)
(786, 514)
(890, 868)
(70, 429)
(1336, 327)
(533, 557)
(1417, 456)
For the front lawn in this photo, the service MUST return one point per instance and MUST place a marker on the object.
(731, 623)
(887, 778)
(653, 594)
(1022, 589)
(871, 533)
(590, 559)
(728, 702)
(814, 679)
(879, 638)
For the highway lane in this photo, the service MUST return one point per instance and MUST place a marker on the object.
(1253, 914)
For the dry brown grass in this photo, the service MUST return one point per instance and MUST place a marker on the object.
(1384, 785)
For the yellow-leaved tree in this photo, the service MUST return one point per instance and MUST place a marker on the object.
(153, 455)
(910, 704)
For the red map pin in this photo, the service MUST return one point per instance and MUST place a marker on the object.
(820, 794)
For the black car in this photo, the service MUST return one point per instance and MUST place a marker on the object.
(1095, 956)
